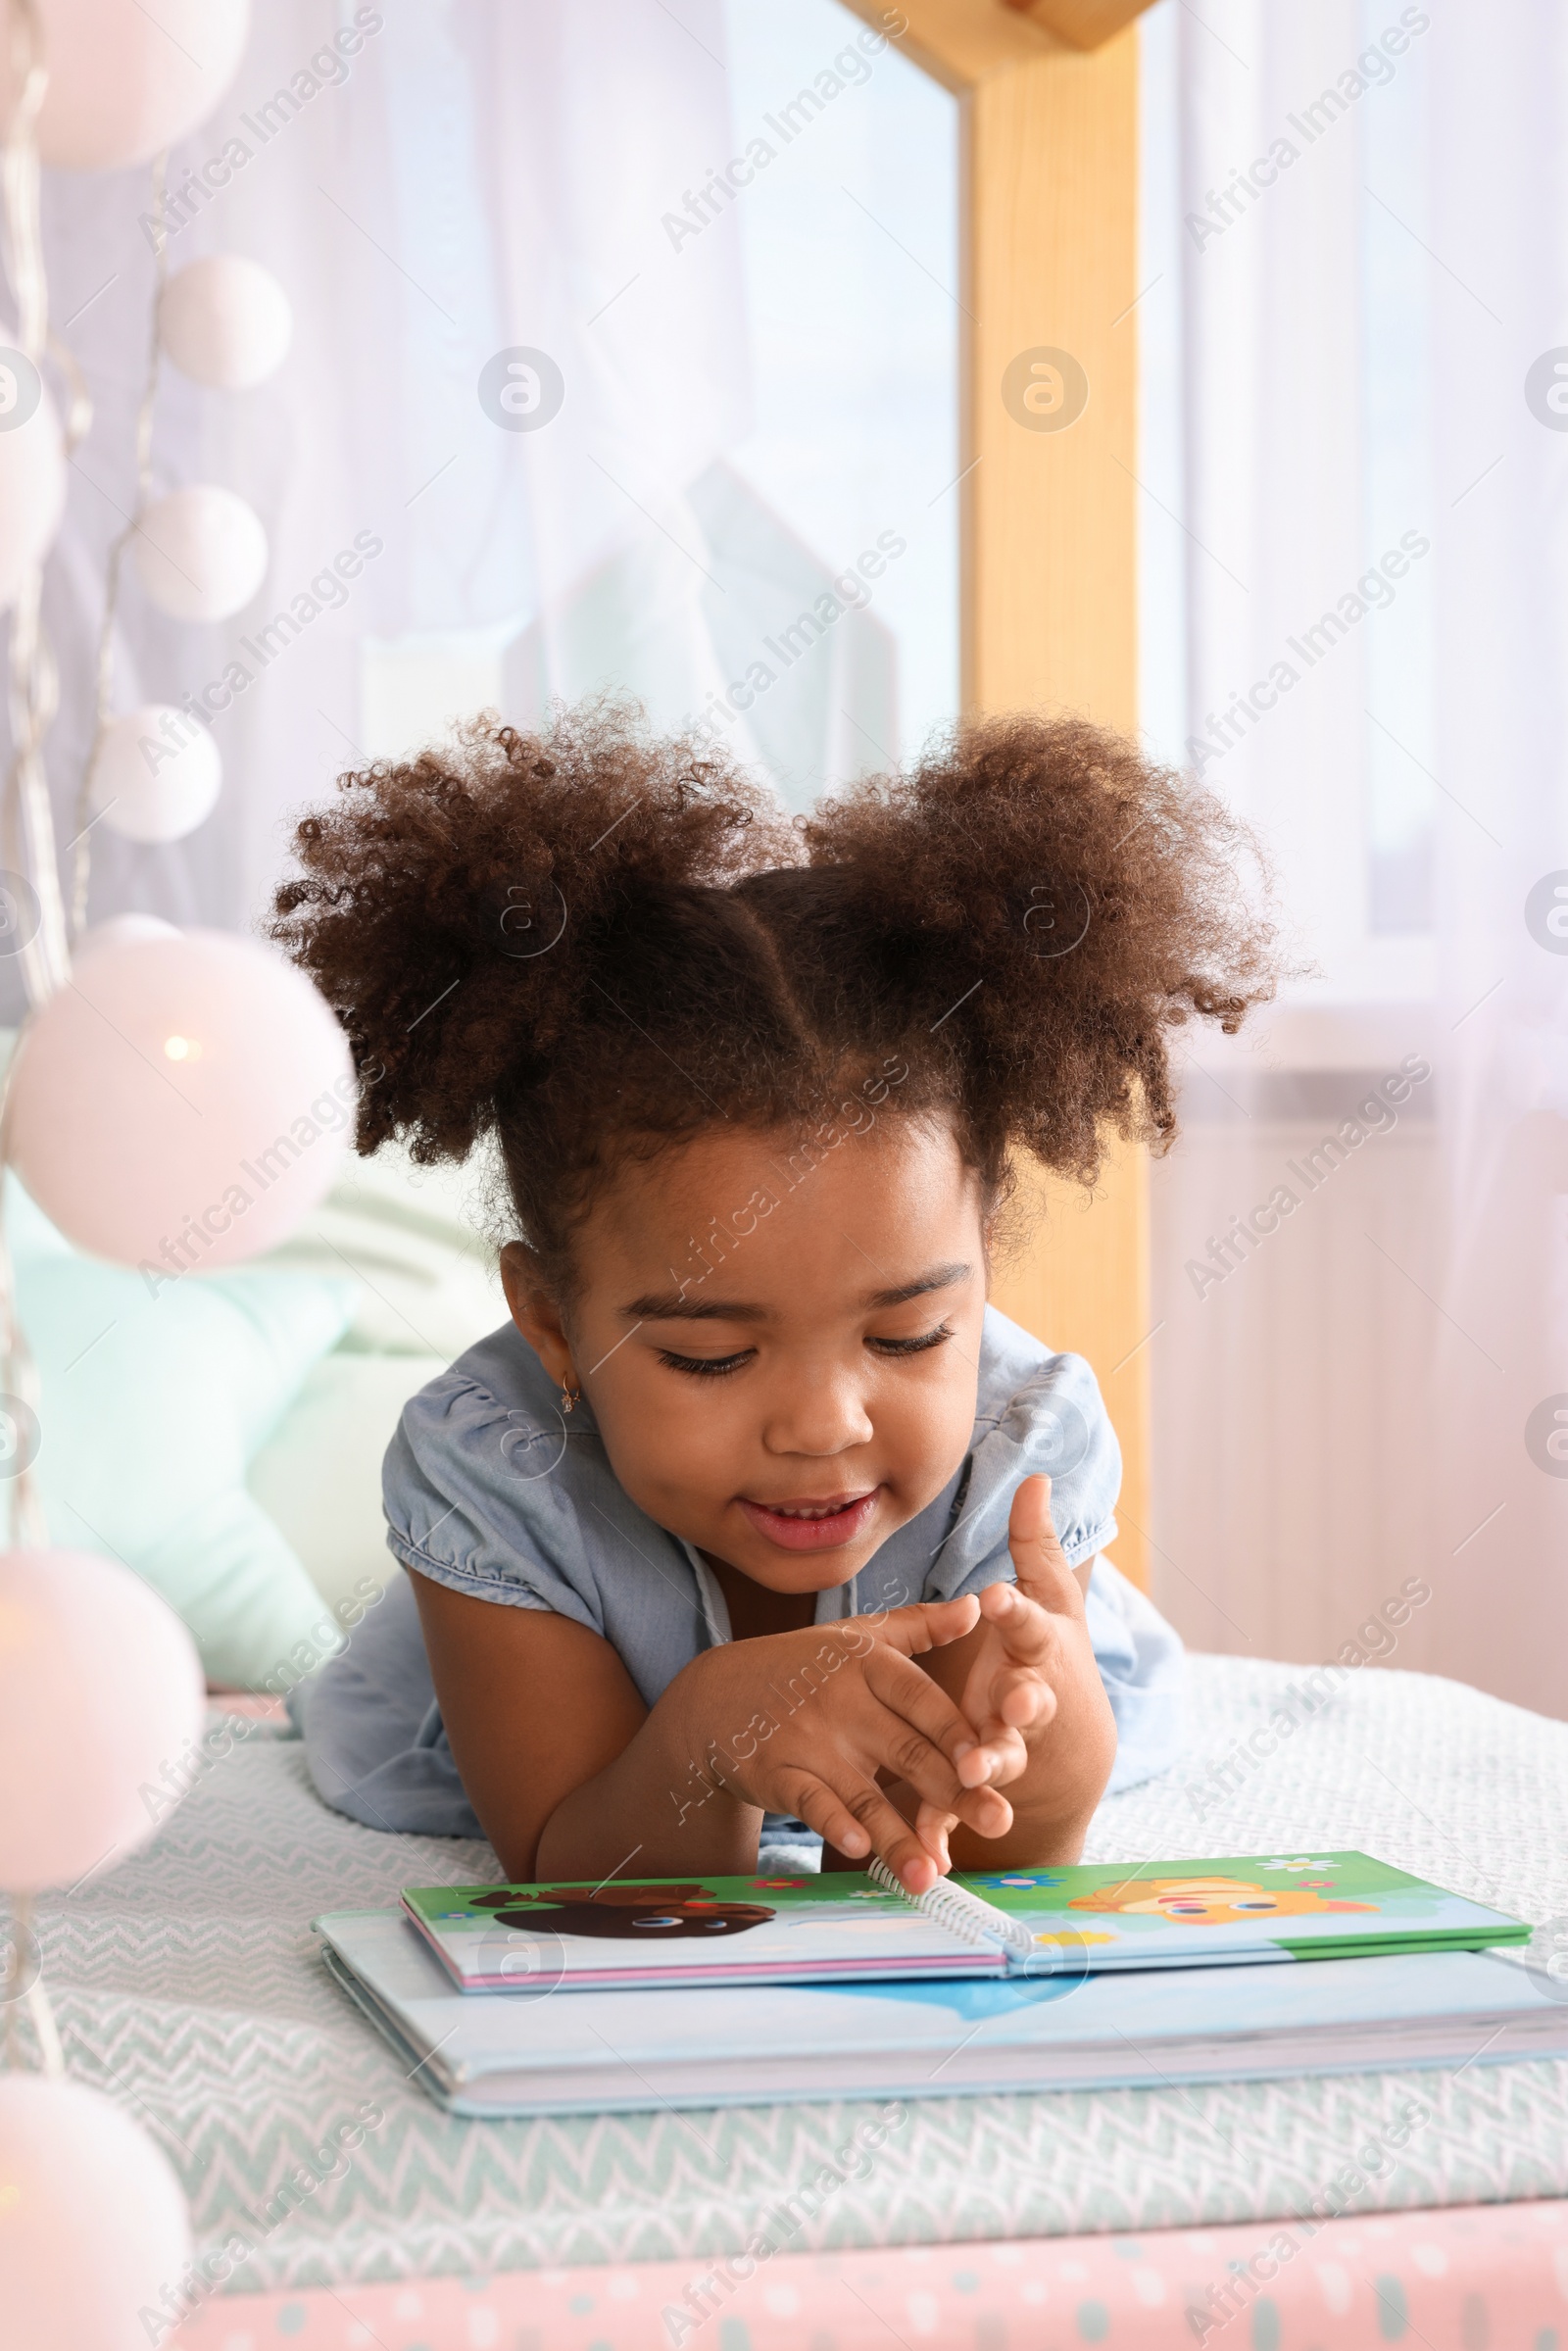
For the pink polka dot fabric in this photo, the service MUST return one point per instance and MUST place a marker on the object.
(1477, 2278)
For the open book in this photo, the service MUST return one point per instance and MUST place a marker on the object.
(1088, 1919)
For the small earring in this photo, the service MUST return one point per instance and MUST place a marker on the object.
(568, 1396)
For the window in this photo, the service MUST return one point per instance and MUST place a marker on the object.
(1286, 461)
(799, 597)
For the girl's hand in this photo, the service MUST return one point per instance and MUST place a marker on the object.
(1032, 1690)
(1010, 1692)
(803, 1723)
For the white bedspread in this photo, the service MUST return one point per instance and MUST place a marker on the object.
(188, 1986)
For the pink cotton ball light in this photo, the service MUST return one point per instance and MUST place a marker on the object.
(100, 1691)
(125, 79)
(93, 2225)
(121, 930)
(182, 1105)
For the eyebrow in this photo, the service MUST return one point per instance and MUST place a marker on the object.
(940, 1276)
(670, 1306)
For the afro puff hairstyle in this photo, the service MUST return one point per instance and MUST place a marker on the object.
(591, 942)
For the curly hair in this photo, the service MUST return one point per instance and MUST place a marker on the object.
(591, 942)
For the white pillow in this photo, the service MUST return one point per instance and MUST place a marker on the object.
(318, 1475)
(416, 1238)
(429, 1288)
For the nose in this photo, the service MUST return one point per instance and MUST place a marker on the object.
(818, 1413)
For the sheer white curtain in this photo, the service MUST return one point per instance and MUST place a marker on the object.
(479, 179)
(472, 179)
(1360, 226)
(1501, 225)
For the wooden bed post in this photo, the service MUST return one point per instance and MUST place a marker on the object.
(1049, 195)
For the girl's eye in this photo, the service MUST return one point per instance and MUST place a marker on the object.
(912, 1346)
(705, 1367)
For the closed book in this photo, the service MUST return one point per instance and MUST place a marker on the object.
(518, 2052)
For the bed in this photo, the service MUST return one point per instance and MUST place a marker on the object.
(188, 1984)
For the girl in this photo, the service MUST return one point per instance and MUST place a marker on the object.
(756, 1512)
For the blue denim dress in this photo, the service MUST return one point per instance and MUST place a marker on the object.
(489, 1489)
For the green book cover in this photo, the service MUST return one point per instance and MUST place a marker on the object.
(1087, 1918)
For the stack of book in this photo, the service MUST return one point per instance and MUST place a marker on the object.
(580, 1998)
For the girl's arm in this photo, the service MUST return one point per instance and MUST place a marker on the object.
(573, 1777)
(534, 1706)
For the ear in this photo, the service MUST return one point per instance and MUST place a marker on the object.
(536, 1311)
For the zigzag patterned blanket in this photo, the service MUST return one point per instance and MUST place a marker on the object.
(188, 1985)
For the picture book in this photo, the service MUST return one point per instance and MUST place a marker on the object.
(494, 2054)
(1087, 1919)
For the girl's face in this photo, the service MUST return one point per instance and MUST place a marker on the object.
(780, 1346)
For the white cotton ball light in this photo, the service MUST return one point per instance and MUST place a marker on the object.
(121, 930)
(157, 775)
(201, 553)
(125, 79)
(226, 323)
(100, 1691)
(32, 472)
(182, 1105)
(93, 2223)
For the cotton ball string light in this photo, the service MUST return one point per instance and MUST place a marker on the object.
(125, 80)
(226, 323)
(201, 553)
(32, 472)
(122, 930)
(93, 2225)
(100, 1691)
(208, 1075)
(156, 774)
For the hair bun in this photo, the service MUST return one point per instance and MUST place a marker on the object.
(1051, 905)
(453, 907)
(590, 941)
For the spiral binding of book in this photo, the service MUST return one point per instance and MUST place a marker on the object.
(960, 1912)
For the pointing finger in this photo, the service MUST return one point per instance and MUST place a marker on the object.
(920, 1626)
(1038, 1559)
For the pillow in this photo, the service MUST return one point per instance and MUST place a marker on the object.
(151, 1409)
(429, 1288)
(416, 1238)
(318, 1475)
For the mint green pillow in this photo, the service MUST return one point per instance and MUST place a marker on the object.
(150, 1412)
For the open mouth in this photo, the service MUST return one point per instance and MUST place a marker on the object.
(814, 1523)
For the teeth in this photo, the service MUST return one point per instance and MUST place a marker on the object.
(829, 1510)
